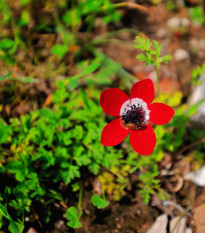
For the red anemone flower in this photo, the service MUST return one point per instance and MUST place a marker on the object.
(133, 115)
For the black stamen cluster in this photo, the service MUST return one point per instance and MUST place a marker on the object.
(135, 115)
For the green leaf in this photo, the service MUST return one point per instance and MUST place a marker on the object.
(61, 93)
(27, 80)
(84, 98)
(87, 70)
(5, 10)
(94, 167)
(73, 83)
(72, 17)
(60, 50)
(99, 202)
(6, 43)
(165, 58)
(75, 187)
(74, 224)
(14, 166)
(82, 160)
(5, 132)
(152, 51)
(25, 17)
(17, 168)
(197, 14)
(73, 215)
(4, 212)
(5, 76)
(24, 2)
(192, 110)
(70, 173)
(142, 57)
(15, 227)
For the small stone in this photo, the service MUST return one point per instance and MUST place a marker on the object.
(188, 230)
(181, 54)
(60, 225)
(200, 54)
(177, 23)
(194, 45)
(202, 44)
(32, 230)
(174, 22)
(198, 94)
(185, 22)
(161, 33)
(160, 225)
(198, 177)
(180, 226)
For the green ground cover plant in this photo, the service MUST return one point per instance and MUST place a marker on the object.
(65, 138)
(47, 155)
(60, 144)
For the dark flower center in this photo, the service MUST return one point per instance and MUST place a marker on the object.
(134, 117)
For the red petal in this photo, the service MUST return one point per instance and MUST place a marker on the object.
(143, 141)
(113, 133)
(160, 114)
(144, 90)
(111, 101)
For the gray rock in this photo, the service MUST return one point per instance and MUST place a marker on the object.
(181, 54)
(198, 177)
(160, 225)
(178, 22)
(178, 225)
(198, 94)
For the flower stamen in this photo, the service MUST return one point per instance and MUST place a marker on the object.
(134, 118)
(134, 114)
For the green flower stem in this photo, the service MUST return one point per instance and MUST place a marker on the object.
(23, 217)
(80, 198)
(90, 26)
(107, 35)
(157, 73)
(103, 191)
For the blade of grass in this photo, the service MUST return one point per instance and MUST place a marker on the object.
(5, 76)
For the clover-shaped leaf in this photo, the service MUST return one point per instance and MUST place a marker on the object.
(99, 202)
(73, 215)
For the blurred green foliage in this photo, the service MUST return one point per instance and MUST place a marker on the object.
(196, 73)
(197, 14)
(68, 19)
(171, 5)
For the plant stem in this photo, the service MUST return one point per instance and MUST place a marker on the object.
(129, 5)
(23, 217)
(180, 218)
(157, 73)
(191, 145)
(90, 26)
(103, 191)
(80, 198)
